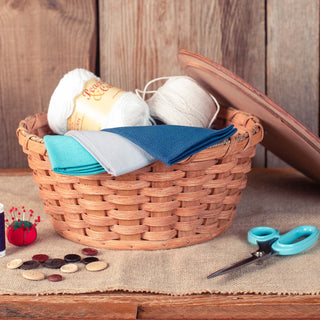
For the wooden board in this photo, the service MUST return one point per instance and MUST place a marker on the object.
(285, 136)
(122, 305)
(293, 61)
(139, 40)
(40, 42)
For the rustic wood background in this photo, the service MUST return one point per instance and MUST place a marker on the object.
(272, 44)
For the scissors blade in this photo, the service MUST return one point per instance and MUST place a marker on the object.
(255, 257)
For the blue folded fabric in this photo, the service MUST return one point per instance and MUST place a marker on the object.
(173, 143)
(67, 156)
(124, 149)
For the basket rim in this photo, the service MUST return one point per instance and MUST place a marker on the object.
(238, 137)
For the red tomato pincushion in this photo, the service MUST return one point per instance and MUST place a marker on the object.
(21, 233)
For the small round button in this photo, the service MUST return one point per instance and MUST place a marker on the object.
(97, 266)
(30, 264)
(89, 251)
(33, 275)
(40, 257)
(14, 264)
(72, 258)
(69, 268)
(54, 277)
(54, 263)
(89, 260)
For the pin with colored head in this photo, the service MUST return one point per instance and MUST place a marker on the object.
(22, 232)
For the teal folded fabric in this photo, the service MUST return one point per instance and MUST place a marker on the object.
(67, 156)
(124, 149)
(173, 143)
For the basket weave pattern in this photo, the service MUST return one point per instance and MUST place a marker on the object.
(156, 207)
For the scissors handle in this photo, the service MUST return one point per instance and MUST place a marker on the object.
(288, 243)
(262, 234)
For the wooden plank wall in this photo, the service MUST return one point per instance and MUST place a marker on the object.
(272, 44)
(146, 36)
(40, 40)
(292, 78)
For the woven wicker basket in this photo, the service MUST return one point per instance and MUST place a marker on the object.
(156, 207)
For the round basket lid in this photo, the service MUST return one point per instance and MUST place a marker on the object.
(285, 136)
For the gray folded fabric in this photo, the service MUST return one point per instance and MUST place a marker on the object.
(116, 154)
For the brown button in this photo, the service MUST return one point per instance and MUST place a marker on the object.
(40, 257)
(89, 260)
(30, 264)
(54, 277)
(72, 258)
(89, 251)
(54, 263)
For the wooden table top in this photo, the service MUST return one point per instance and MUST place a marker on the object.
(152, 306)
(123, 305)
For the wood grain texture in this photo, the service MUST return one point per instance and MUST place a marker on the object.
(150, 306)
(293, 61)
(140, 40)
(40, 41)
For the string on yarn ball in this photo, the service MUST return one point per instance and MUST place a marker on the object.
(181, 101)
(81, 101)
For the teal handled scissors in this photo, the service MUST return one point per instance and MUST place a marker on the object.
(271, 243)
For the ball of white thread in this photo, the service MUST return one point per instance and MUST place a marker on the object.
(128, 110)
(62, 100)
(181, 101)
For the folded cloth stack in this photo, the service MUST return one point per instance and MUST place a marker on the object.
(93, 152)
(124, 149)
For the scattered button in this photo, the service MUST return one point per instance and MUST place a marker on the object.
(89, 251)
(54, 277)
(69, 268)
(97, 266)
(40, 257)
(33, 275)
(54, 263)
(14, 264)
(72, 258)
(30, 264)
(89, 260)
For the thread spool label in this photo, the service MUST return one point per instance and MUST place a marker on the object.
(93, 105)
(2, 232)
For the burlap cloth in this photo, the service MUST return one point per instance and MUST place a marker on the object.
(274, 198)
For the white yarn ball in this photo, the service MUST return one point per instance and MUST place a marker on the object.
(62, 100)
(128, 110)
(181, 101)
